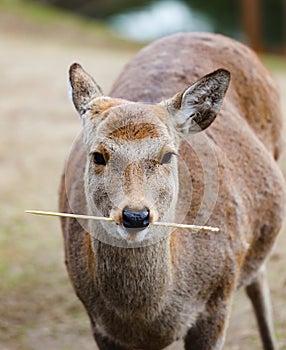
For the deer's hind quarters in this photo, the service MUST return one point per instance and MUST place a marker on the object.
(127, 165)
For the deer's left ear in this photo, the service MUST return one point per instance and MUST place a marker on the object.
(195, 108)
(83, 87)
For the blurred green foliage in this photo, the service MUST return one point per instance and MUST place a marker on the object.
(225, 15)
(274, 22)
(97, 8)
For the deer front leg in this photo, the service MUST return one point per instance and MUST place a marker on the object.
(258, 293)
(209, 331)
(104, 343)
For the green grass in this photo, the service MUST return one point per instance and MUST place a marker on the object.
(62, 21)
(46, 14)
(274, 62)
(14, 249)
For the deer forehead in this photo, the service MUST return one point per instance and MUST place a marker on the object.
(133, 122)
(134, 129)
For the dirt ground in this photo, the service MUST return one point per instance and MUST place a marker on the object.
(38, 308)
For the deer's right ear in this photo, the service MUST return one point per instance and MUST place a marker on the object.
(195, 108)
(83, 88)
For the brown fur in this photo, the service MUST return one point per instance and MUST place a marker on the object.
(180, 286)
(135, 132)
(103, 105)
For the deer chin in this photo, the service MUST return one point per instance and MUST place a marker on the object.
(133, 235)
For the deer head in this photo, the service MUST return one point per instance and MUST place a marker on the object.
(132, 168)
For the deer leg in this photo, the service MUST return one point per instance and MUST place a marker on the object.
(209, 331)
(104, 343)
(258, 293)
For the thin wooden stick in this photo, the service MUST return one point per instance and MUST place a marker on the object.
(67, 215)
(102, 218)
(187, 226)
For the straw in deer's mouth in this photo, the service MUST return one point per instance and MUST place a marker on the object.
(102, 218)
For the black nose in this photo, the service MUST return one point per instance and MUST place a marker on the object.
(135, 219)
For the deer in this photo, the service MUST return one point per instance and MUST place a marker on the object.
(190, 132)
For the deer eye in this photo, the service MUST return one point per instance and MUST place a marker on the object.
(167, 158)
(98, 158)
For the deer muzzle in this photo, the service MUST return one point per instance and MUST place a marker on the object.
(138, 219)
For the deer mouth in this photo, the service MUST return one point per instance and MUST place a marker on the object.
(132, 234)
(133, 223)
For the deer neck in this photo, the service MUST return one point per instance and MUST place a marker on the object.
(133, 278)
